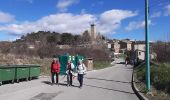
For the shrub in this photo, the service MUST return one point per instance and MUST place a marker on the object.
(160, 76)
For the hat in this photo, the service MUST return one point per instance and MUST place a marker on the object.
(55, 59)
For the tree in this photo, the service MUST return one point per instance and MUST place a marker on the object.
(77, 39)
(162, 50)
(86, 36)
(67, 38)
(51, 39)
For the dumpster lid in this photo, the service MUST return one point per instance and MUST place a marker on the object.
(25, 65)
(5, 66)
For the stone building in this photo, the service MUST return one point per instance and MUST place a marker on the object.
(114, 45)
(93, 32)
(139, 50)
(125, 44)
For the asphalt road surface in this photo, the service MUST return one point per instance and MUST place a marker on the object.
(113, 83)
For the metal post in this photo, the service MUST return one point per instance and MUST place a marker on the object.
(147, 54)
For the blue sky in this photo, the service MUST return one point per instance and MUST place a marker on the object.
(113, 18)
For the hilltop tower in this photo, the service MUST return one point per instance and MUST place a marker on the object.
(93, 32)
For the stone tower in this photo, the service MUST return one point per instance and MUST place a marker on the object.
(93, 32)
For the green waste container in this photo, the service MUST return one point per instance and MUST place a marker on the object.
(73, 59)
(34, 71)
(7, 73)
(78, 58)
(63, 63)
(22, 72)
(17, 72)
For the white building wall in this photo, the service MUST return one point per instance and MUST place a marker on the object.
(139, 47)
(109, 46)
(141, 55)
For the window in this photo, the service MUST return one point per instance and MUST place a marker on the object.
(139, 53)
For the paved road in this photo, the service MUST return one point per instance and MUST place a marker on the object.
(112, 83)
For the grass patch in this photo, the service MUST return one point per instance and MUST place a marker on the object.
(101, 64)
(160, 81)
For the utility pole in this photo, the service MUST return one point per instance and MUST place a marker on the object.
(147, 53)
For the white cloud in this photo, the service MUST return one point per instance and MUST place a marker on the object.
(156, 14)
(136, 25)
(63, 22)
(107, 22)
(6, 17)
(111, 20)
(167, 10)
(62, 5)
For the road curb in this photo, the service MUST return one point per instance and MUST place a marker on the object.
(136, 90)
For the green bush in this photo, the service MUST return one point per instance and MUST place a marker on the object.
(160, 76)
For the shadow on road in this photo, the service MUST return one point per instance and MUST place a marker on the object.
(109, 89)
(47, 82)
(120, 63)
(93, 78)
(64, 84)
(61, 84)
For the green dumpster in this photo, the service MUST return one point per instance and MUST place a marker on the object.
(7, 73)
(34, 71)
(22, 72)
(63, 63)
(78, 58)
(64, 59)
(73, 59)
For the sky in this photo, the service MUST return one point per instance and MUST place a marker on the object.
(118, 19)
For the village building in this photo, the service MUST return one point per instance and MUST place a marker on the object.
(114, 46)
(139, 50)
(125, 45)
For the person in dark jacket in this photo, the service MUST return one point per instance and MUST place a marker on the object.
(55, 70)
(70, 72)
(127, 61)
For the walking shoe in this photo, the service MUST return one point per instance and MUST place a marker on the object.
(57, 84)
(52, 84)
(80, 87)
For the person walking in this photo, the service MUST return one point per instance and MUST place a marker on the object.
(81, 69)
(55, 70)
(126, 61)
(70, 72)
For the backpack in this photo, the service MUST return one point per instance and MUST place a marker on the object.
(78, 68)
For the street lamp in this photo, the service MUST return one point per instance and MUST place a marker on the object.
(147, 54)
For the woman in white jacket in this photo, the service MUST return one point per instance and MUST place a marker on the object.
(81, 69)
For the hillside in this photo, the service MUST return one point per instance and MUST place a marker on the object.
(46, 44)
